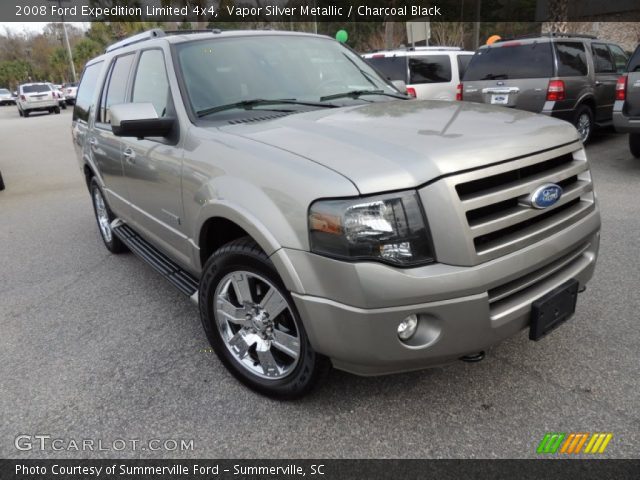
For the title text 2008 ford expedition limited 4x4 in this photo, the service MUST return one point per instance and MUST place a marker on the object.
(320, 217)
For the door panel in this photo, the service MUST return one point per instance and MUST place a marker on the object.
(605, 81)
(105, 147)
(152, 166)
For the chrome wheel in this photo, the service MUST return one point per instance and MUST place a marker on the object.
(102, 215)
(583, 125)
(257, 325)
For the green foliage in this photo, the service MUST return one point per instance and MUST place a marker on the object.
(13, 72)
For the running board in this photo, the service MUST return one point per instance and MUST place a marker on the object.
(182, 280)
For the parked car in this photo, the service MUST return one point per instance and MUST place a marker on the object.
(70, 90)
(59, 94)
(37, 97)
(626, 110)
(6, 98)
(319, 217)
(572, 77)
(428, 72)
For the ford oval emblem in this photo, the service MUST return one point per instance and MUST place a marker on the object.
(545, 195)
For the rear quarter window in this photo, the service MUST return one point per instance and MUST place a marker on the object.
(429, 69)
(391, 68)
(602, 59)
(511, 61)
(572, 59)
(86, 91)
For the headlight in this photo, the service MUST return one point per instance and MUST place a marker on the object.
(388, 228)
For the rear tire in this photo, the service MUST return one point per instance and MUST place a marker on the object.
(583, 121)
(20, 113)
(634, 144)
(260, 339)
(56, 110)
(25, 113)
(104, 217)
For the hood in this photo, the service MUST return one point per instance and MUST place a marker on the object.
(402, 144)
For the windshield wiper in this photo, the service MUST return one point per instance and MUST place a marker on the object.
(249, 104)
(495, 76)
(359, 93)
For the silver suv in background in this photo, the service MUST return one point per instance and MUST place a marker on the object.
(319, 217)
(430, 73)
(6, 97)
(37, 97)
(567, 76)
(626, 110)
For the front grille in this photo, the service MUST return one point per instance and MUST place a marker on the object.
(493, 200)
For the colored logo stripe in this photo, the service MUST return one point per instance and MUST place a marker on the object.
(598, 443)
(550, 442)
(573, 443)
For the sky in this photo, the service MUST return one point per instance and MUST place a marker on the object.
(35, 27)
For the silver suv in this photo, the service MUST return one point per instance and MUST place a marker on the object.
(319, 217)
(567, 76)
(626, 110)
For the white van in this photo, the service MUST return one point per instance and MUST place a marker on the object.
(429, 72)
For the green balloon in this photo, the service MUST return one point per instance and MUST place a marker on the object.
(342, 36)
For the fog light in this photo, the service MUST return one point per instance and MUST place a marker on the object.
(408, 327)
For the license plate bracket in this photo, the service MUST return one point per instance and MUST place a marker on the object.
(553, 309)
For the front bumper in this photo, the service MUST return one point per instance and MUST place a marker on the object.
(351, 311)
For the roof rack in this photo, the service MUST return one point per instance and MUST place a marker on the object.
(548, 35)
(140, 37)
(436, 48)
(151, 34)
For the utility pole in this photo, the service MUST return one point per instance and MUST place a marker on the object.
(476, 26)
(66, 41)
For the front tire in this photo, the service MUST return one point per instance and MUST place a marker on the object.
(56, 110)
(583, 121)
(25, 113)
(634, 144)
(104, 217)
(253, 325)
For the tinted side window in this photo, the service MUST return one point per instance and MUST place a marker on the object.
(391, 68)
(431, 69)
(463, 63)
(86, 91)
(602, 58)
(619, 58)
(634, 63)
(572, 59)
(151, 83)
(115, 89)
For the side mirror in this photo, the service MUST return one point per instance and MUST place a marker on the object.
(139, 120)
(400, 85)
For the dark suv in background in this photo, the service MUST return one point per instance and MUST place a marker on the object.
(626, 110)
(572, 77)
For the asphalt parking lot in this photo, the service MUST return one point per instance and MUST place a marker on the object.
(97, 346)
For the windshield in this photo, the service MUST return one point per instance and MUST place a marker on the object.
(228, 70)
(511, 60)
(39, 88)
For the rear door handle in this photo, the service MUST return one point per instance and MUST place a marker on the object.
(129, 155)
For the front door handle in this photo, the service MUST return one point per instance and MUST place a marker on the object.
(93, 142)
(129, 156)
